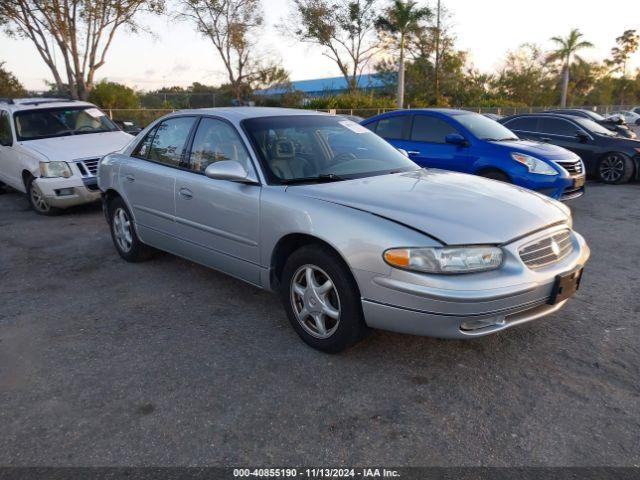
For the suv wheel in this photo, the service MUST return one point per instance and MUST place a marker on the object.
(37, 200)
(322, 299)
(615, 168)
(124, 234)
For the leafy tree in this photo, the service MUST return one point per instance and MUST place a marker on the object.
(232, 26)
(626, 45)
(344, 30)
(79, 32)
(400, 21)
(114, 95)
(565, 53)
(10, 86)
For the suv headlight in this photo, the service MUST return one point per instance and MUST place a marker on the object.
(445, 259)
(55, 169)
(534, 165)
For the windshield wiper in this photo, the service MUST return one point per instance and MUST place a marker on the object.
(325, 177)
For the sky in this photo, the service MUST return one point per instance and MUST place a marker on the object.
(177, 55)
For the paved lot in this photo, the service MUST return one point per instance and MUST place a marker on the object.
(168, 363)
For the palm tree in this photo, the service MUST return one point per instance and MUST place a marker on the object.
(566, 51)
(399, 21)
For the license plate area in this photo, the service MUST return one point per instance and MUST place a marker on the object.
(566, 285)
(579, 182)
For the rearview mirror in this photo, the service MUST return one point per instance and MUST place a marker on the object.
(456, 139)
(228, 170)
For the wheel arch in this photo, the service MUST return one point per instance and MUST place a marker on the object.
(289, 244)
(490, 168)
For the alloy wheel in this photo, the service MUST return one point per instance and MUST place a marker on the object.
(37, 199)
(122, 229)
(612, 168)
(315, 301)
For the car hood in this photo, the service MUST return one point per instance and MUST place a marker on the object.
(454, 208)
(74, 147)
(537, 149)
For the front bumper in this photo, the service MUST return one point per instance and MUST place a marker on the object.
(68, 192)
(443, 306)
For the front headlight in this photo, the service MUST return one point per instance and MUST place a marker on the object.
(533, 164)
(445, 259)
(55, 170)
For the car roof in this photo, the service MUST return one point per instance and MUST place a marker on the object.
(566, 116)
(242, 113)
(35, 103)
(443, 112)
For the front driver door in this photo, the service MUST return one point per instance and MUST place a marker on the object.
(218, 221)
(148, 180)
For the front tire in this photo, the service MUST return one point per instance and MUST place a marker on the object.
(38, 201)
(615, 168)
(123, 233)
(322, 299)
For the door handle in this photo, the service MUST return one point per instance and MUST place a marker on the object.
(130, 178)
(186, 193)
(413, 152)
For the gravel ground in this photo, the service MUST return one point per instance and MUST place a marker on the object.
(168, 363)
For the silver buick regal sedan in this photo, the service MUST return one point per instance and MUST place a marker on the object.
(350, 232)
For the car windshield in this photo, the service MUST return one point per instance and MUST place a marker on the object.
(484, 128)
(58, 122)
(594, 127)
(298, 148)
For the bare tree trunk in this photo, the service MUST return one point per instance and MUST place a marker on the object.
(437, 66)
(565, 85)
(401, 75)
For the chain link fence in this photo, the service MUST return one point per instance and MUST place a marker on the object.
(142, 117)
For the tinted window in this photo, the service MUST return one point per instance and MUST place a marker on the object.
(372, 126)
(392, 127)
(142, 150)
(169, 141)
(484, 128)
(525, 124)
(297, 147)
(216, 140)
(430, 129)
(594, 127)
(6, 138)
(557, 126)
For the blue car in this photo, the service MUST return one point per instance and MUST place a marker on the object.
(471, 143)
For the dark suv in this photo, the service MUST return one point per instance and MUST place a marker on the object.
(606, 156)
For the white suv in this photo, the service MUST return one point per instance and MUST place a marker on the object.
(50, 150)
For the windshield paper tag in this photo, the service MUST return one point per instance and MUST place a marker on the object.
(94, 112)
(354, 127)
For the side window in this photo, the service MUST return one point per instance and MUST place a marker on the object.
(214, 141)
(392, 127)
(169, 141)
(430, 129)
(524, 124)
(142, 150)
(556, 126)
(372, 126)
(6, 137)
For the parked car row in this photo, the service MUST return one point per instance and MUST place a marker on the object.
(349, 232)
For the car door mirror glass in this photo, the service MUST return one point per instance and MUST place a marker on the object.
(456, 139)
(228, 170)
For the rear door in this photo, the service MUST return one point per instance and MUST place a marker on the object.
(218, 221)
(564, 133)
(148, 178)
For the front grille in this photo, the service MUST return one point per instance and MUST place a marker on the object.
(89, 167)
(548, 250)
(574, 167)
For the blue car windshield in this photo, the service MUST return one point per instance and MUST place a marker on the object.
(299, 148)
(484, 128)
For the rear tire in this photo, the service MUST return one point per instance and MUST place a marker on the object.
(496, 175)
(123, 233)
(38, 201)
(615, 168)
(322, 299)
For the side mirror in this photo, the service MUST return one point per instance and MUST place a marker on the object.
(456, 139)
(404, 152)
(229, 170)
(583, 137)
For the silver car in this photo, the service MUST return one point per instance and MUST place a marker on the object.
(348, 231)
